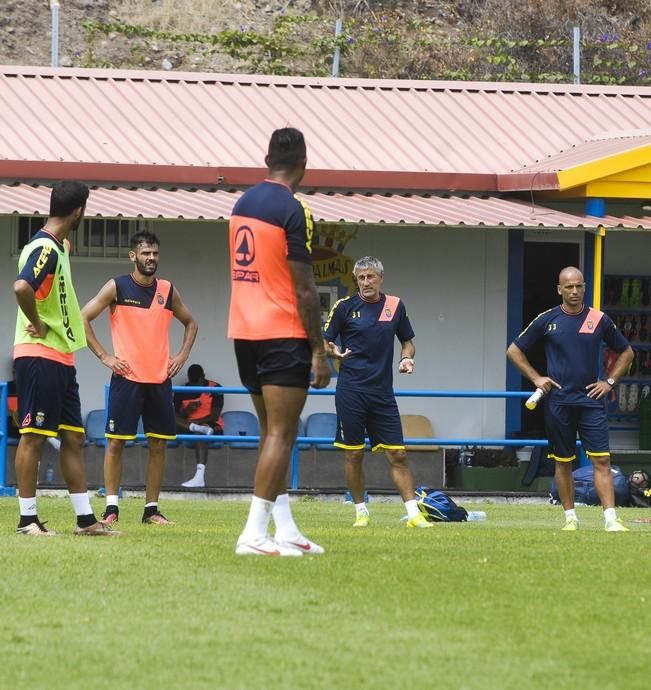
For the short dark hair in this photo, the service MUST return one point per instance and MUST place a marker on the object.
(287, 150)
(195, 372)
(66, 197)
(143, 236)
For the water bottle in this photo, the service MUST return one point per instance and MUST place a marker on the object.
(49, 472)
(476, 516)
(534, 399)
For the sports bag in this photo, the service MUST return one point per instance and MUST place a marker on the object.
(438, 506)
(584, 488)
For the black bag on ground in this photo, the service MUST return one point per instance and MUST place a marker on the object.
(639, 484)
(584, 489)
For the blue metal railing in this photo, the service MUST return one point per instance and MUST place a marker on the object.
(4, 489)
(237, 390)
(443, 441)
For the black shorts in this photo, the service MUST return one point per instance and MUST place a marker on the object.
(48, 396)
(360, 412)
(276, 362)
(562, 422)
(130, 400)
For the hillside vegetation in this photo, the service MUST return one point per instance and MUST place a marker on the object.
(497, 40)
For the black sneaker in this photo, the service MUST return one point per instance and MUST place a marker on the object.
(111, 515)
(156, 519)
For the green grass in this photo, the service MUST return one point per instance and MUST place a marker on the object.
(508, 603)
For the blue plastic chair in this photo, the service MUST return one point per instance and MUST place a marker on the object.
(302, 432)
(140, 431)
(241, 423)
(323, 425)
(95, 427)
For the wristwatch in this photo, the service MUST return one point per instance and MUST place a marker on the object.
(611, 382)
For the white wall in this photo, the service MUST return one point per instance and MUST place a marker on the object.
(453, 282)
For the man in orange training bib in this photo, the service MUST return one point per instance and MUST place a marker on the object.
(141, 310)
(274, 321)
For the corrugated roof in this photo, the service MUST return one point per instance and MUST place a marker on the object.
(590, 151)
(391, 209)
(190, 128)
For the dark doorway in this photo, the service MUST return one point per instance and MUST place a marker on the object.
(543, 262)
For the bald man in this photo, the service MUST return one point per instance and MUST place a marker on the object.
(575, 396)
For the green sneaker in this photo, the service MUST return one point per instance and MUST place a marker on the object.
(419, 522)
(616, 526)
(572, 525)
(362, 520)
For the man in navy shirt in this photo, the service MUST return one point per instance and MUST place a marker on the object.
(574, 394)
(367, 324)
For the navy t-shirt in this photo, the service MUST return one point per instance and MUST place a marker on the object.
(368, 329)
(572, 345)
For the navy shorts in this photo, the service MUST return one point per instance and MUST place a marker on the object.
(48, 396)
(562, 422)
(131, 400)
(361, 413)
(276, 362)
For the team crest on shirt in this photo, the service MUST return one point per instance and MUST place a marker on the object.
(40, 419)
(160, 299)
(589, 325)
(388, 313)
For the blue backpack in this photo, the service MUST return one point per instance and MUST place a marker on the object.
(438, 506)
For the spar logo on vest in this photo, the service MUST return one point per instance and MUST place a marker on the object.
(245, 255)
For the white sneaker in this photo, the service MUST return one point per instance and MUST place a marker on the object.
(54, 442)
(201, 429)
(197, 482)
(309, 548)
(264, 546)
(36, 529)
(616, 526)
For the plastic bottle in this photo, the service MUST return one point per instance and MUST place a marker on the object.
(49, 472)
(476, 516)
(534, 399)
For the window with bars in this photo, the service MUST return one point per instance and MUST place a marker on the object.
(96, 237)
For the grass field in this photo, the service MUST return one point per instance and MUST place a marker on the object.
(508, 603)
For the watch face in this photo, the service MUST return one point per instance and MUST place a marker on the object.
(610, 382)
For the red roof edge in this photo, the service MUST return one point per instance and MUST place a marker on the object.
(109, 172)
(527, 182)
(187, 175)
(399, 180)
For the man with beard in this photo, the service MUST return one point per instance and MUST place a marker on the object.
(49, 330)
(141, 309)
